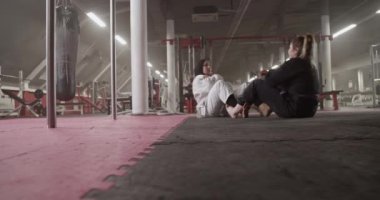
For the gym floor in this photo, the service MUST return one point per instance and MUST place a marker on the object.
(335, 155)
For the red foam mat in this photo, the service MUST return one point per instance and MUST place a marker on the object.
(64, 163)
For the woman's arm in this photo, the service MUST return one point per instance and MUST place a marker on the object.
(285, 72)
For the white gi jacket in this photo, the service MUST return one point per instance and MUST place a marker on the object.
(211, 93)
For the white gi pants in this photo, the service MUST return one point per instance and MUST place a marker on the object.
(217, 98)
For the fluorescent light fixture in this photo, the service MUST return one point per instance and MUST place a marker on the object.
(344, 30)
(378, 12)
(149, 64)
(162, 76)
(167, 80)
(165, 72)
(252, 79)
(96, 19)
(158, 72)
(275, 67)
(120, 39)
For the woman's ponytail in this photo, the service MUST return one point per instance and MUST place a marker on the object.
(305, 46)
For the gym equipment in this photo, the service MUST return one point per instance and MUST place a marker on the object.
(7, 105)
(67, 37)
(28, 105)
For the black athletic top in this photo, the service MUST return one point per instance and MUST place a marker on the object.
(296, 76)
(298, 82)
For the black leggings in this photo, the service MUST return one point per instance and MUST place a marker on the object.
(284, 105)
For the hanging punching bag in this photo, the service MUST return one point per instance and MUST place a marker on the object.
(67, 37)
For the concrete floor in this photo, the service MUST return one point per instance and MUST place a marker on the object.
(335, 155)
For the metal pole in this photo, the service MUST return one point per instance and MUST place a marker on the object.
(202, 52)
(50, 63)
(193, 54)
(211, 53)
(180, 76)
(377, 63)
(94, 94)
(113, 60)
(373, 77)
(189, 59)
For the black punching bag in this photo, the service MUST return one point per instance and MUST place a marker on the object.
(67, 38)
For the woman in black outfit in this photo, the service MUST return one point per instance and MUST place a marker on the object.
(290, 90)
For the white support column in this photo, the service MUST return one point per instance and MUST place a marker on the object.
(326, 49)
(326, 52)
(281, 55)
(138, 56)
(271, 60)
(360, 81)
(333, 82)
(315, 55)
(147, 72)
(170, 50)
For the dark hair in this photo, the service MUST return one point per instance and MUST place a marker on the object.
(304, 44)
(199, 68)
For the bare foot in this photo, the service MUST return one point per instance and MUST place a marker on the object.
(233, 112)
(264, 110)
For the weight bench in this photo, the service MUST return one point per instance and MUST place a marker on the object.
(334, 94)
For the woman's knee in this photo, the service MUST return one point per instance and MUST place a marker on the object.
(220, 82)
(223, 84)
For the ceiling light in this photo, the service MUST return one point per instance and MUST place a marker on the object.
(162, 76)
(120, 39)
(167, 80)
(149, 64)
(344, 30)
(158, 72)
(96, 19)
(378, 12)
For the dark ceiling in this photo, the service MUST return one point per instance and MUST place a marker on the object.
(23, 33)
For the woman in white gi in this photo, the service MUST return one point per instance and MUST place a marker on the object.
(212, 93)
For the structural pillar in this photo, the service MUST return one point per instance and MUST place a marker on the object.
(326, 49)
(147, 76)
(360, 81)
(170, 50)
(315, 54)
(138, 56)
(281, 55)
(326, 52)
(333, 82)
